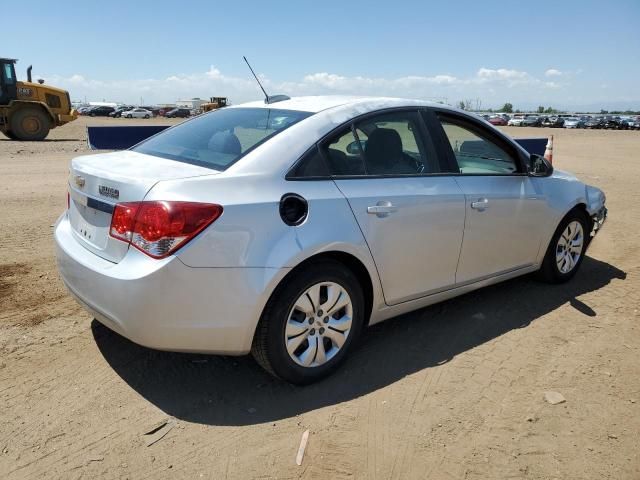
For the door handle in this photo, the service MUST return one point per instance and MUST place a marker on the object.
(382, 209)
(481, 204)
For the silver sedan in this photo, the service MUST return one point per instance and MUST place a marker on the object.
(285, 228)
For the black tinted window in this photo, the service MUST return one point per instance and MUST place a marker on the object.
(310, 165)
(218, 139)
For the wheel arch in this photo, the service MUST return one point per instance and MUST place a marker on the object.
(351, 262)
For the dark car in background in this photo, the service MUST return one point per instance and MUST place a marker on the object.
(594, 123)
(178, 113)
(552, 122)
(614, 123)
(101, 111)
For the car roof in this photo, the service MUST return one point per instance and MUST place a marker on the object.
(329, 113)
(315, 104)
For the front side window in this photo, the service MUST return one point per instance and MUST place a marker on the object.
(218, 139)
(475, 153)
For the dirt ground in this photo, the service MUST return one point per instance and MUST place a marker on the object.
(451, 391)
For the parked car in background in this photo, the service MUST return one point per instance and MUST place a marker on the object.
(614, 123)
(516, 121)
(100, 111)
(573, 122)
(178, 113)
(117, 113)
(552, 122)
(497, 120)
(531, 121)
(138, 113)
(83, 110)
(633, 123)
(594, 123)
(289, 243)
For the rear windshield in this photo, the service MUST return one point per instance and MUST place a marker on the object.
(218, 139)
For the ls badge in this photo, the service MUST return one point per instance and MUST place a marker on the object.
(109, 191)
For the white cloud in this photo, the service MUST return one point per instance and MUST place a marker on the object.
(552, 72)
(499, 85)
(504, 76)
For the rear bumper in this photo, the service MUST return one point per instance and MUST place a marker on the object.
(165, 304)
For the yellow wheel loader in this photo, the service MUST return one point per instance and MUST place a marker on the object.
(29, 110)
(214, 104)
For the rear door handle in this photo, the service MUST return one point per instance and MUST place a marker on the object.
(481, 204)
(382, 209)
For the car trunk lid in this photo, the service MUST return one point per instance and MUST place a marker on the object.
(98, 182)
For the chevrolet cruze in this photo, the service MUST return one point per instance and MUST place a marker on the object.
(285, 228)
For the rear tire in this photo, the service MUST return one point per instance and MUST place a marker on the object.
(566, 249)
(29, 123)
(310, 323)
(146, 116)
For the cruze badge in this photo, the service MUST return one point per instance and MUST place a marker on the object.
(79, 181)
(109, 191)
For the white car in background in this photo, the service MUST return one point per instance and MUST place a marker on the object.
(137, 113)
(573, 122)
(516, 121)
(284, 228)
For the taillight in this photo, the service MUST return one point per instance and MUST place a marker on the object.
(160, 228)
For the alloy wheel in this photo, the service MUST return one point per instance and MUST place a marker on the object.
(318, 324)
(569, 247)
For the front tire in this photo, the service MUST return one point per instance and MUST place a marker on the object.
(310, 323)
(566, 249)
(31, 124)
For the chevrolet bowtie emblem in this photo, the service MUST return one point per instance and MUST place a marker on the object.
(79, 181)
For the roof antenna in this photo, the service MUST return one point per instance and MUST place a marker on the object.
(267, 98)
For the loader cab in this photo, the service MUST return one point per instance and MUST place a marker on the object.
(8, 82)
(219, 101)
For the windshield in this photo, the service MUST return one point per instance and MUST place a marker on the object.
(220, 138)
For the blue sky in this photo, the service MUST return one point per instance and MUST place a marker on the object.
(562, 53)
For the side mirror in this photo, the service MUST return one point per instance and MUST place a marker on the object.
(539, 166)
(353, 149)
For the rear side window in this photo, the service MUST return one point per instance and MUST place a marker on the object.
(387, 144)
(343, 154)
(218, 139)
(393, 145)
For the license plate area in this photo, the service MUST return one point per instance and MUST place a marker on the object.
(89, 224)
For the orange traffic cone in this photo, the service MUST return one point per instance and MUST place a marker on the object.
(548, 152)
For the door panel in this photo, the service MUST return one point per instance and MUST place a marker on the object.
(413, 226)
(502, 231)
(504, 208)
